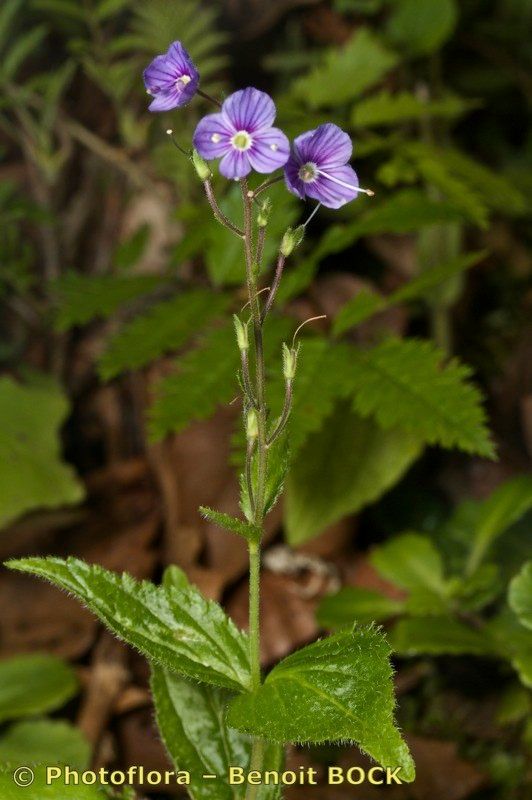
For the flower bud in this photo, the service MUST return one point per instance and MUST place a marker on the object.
(252, 425)
(289, 362)
(292, 239)
(200, 165)
(242, 337)
(264, 213)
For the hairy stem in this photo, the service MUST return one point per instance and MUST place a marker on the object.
(260, 454)
(217, 211)
(275, 285)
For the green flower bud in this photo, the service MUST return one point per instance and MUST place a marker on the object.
(289, 362)
(292, 239)
(200, 165)
(242, 337)
(252, 425)
(264, 213)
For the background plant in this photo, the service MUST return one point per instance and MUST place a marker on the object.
(457, 89)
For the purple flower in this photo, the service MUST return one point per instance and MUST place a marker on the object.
(242, 135)
(172, 79)
(318, 167)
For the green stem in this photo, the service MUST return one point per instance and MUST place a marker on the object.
(261, 454)
(441, 328)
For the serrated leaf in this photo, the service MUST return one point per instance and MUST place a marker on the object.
(45, 741)
(363, 305)
(520, 595)
(384, 108)
(166, 327)
(239, 526)
(191, 719)
(346, 72)
(354, 604)
(513, 642)
(402, 383)
(53, 683)
(410, 561)
(404, 211)
(337, 689)
(40, 789)
(178, 629)
(367, 303)
(420, 28)
(82, 298)
(206, 379)
(439, 636)
(492, 517)
(347, 464)
(32, 473)
(321, 379)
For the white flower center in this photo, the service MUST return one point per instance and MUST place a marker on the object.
(182, 81)
(308, 172)
(241, 140)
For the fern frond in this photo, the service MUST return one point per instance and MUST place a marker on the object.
(403, 384)
(206, 379)
(166, 327)
(322, 377)
(82, 298)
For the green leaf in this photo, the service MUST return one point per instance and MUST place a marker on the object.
(495, 515)
(32, 474)
(405, 211)
(82, 298)
(520, 595)
(439, 636)
(8, 13)
(53, 683)
(166, 327)
(205, 380)
(178, 629)
(477, 590)
(191, 719)
(239, 526)
(421, 28)
(346, 72)
(362, 306)
(384, 108)
(336, 689)
(412, 562)
(355, 604)
(47, 742)
(40, 790)
(322, 377)
(469, 185)
(23, 46)
(513, 642)
(341, 468)
(367, 303)
(403, 384)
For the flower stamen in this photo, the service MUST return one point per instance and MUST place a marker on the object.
(241, 140)
(369, 192)
(308, 172)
